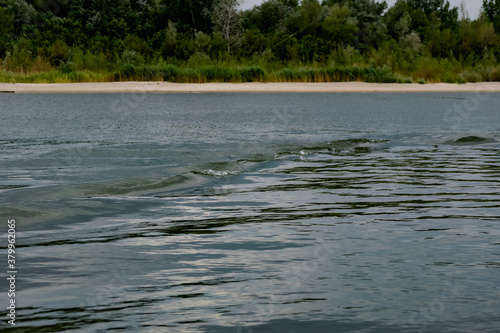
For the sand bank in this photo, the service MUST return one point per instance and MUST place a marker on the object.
(167, 87)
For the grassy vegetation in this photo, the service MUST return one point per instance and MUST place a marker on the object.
(343, 65)
(54, 76)
(425, 70)
(414, 41)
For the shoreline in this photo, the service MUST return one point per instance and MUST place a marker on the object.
(270, 87)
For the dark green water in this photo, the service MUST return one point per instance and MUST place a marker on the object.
(252, 212)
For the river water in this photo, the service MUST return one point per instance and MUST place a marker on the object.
(252, 212)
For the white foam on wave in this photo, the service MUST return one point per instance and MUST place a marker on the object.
(218, 173)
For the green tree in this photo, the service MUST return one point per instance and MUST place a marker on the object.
(285, 47)
(440, 9)
(477, 37)
(340, 24)
(22, 55)
(22, 12)
(372, 29)
(408, 40)
(419, 20)
(202, 42)
(269, 18)
(253, 43)
(104, 17)
(492, 10)
(188, 15)
(134, 43)
(170, 41)
(6, 20)
(310, 17)
(57, 52)
(310, 49)
(146, 15)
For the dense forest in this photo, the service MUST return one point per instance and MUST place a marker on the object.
(280, 40)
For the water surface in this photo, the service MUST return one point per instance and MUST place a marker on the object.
(253, 212)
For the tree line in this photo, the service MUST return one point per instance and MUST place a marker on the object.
(424, 40)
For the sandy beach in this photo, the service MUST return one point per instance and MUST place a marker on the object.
(299, 87)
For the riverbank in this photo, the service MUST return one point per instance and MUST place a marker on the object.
(284, 87)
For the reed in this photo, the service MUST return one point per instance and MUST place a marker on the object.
(200, 74)
(229, 70)
(54, 76)
(338, 74)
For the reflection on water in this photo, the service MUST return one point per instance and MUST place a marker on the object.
(371, 231)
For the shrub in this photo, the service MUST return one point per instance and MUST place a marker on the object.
(57, 52)
(67, 67)
(218, 74)
(199, 59)
(132, 58)
(170, 73)
(252, 74)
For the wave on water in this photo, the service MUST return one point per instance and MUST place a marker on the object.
(470, 140)
(59, 202)
(154, 181)
(219, 169)
(226, 212)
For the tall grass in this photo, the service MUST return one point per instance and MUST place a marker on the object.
(338, 74)
(54, 76)
(134, 68)
(200, 74)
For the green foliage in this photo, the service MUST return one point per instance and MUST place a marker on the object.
(104, 17)
(67, 68)
(336, 74)
(395, 17)
(135, 44)
(279, 40)
(199, 59)
(346, 56)
(131, 63)
(428, 68)
(171, 73)
(57, 52)
(53, 77)
(6, 25)
(170, 41)
(252, 74)
(21, 57)
(438, 10)
(21, 15)
(202, 42)
(372, 29)
(188, 16)
(216, 74)
(285, 47)
(252, 43)
(310, 17)
(492, 11)
(268, 18)
(340, 24)
(6, 21)
(132, 58)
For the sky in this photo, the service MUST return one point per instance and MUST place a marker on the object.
(472, 6)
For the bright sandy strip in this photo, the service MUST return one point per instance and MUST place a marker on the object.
(167, 87)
